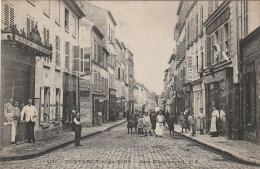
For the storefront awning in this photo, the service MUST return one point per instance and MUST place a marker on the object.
(32, 40)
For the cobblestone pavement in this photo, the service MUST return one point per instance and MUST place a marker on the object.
(116, 149)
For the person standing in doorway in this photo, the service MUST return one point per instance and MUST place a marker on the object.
(78, 129)
(214, 120)
(222, 122)
(30, 117)
(201, 120)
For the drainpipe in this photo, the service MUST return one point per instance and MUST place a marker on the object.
(1, 107)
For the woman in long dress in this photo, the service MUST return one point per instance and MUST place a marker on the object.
(201, 119)
(159, 125)
(214, 120)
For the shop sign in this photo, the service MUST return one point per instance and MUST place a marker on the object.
(218, 22)
(84, 84)
(252, 48)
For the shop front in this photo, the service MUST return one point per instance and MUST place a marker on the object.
(250, 87)
(18, 55)
(220, 93)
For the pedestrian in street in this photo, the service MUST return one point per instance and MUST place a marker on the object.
(140, 124)
(222, 122)
(130, 122)
(153, 120)
(201, 120)
(147, 124)
(78, 128)
(136, 120)
(170, 124)
(214, 122)
(193, 123)
(30, 117)
(186, 116)
(183, 122)
(189, 118)
(159, 125)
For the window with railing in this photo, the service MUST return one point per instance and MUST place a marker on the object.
(57, 52)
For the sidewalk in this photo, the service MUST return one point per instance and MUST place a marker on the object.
(29, 150)
(242, 150)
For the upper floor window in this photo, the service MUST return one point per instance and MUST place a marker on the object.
(46, 7)
(118, 74)
(109, 32)
(8, 15)
(95, 51)
(57, 11)
(74, 26)
(244, 23)
(66, 24)
(57, 53)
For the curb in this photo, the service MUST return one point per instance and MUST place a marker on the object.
(236, 156)
(40, 153)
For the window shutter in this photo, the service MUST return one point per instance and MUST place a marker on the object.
(28, 23)
(6, 13)
(11, 16)
(48, 36)
(229, 39)
(76, 58)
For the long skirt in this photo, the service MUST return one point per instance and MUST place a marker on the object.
(159, 129)
(213, 126)
(201, 124)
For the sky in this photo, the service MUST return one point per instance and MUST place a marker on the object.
(146, 28)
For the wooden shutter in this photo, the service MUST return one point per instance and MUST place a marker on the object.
(6, 14)
(28, 24)
(76, 58)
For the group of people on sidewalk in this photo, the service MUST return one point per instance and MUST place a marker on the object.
(189, 122)
(14, 115)
(151, 122)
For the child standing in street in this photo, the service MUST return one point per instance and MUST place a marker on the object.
(193, 123)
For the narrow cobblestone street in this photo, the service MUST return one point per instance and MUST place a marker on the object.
(116, 149)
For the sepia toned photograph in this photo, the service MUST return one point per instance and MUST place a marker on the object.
(130, 84)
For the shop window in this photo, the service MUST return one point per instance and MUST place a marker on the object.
(46, 104)
(57, 109)
(251, 99)
(67, 55)
(29, 24)
(66, 24)
(8, 15)
(46, 36)
(57, 52)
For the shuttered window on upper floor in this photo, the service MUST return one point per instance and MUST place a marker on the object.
(29, 24)
(8, 15)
